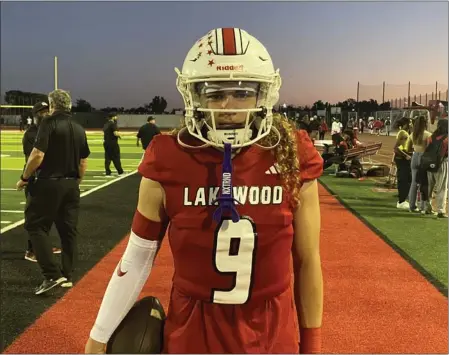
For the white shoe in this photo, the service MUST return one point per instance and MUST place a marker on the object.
(67, 284)
(403, 206)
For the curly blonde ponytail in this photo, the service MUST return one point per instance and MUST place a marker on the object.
(286, 156)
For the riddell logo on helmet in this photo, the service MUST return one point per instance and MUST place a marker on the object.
(231, 67)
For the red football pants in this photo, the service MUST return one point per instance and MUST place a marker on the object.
(267, 326)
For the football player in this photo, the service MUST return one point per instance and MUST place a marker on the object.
(237, 187)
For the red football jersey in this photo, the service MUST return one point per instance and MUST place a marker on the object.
(229, 263)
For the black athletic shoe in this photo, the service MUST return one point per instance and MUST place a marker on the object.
(48, 285)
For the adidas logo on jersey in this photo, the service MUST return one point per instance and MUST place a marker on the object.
(272, 171)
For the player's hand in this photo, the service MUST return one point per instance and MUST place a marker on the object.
(94, 347)
(21, 184)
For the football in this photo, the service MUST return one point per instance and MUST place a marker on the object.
(141, 331)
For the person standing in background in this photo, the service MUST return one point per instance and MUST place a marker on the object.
(314, 127)
(402, 160)
(59, 162)
(147, 132)
(417, 142)
(111, 146)
(40, 110)
(387, 126)
(29, 122)
(323, 128)
(438, 180)
(336, 127)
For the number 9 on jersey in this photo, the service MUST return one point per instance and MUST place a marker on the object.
(234, 254)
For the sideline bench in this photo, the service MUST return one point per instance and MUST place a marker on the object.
(360, 152)
(363, 151)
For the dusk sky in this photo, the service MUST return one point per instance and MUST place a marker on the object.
(123, 54)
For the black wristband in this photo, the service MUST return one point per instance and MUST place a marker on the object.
(23, 179)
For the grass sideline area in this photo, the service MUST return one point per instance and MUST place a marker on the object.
(422, 240)
(13, 161)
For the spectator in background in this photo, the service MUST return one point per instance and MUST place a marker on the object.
(377, 126)
(438, 180)
(387, 126)
(341, 142)
(111, 146)
(22, 123)
(417, 142)
(147, 132)
(402, 160)
(323, 128)
(40, 110)
(350, 123)
(362, 124)
(371, 126)
(314, 127)
(336, 127)
(29, 122)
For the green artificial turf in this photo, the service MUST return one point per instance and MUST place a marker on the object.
(13, 161)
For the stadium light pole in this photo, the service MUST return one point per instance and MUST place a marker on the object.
(56, 72)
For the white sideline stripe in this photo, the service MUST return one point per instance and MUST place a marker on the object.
(92, 181)
(105, 176)
(22, 203)
(88, 159)
(11, 211)
(8, 189)
(99, 187)
(94, 171)
(85, 185)
(5, 222)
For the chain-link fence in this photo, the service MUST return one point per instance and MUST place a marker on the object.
(402, 95)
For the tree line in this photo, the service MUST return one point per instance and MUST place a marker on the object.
(158, 105)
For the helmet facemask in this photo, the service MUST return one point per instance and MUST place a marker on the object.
(229, 111)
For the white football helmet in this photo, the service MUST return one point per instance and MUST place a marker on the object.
(228, 55)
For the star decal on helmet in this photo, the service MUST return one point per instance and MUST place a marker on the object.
(211, 62)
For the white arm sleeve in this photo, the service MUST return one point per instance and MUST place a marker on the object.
(125, 286)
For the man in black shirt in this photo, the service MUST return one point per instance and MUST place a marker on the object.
(59, 161)
(110, 144)
(147, 132)
(39, 111)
